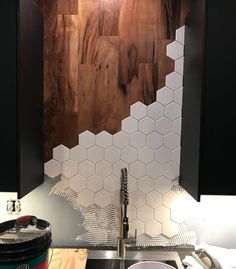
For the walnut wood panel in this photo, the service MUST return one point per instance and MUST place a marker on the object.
(101, 56)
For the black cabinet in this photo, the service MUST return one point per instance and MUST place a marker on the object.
(209, 100)
(21, 105)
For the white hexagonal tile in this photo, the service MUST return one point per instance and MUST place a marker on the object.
(172, 141)
(132, 184)
(137, 198)
(117, 166)
(163, 184)
(178, 94)
(78, 154)
(94, 183)
(112, 154)
(145, 213)
(146, 155)
(129, 125)
(177, 125)
(154, 169)
(178, 214)
(137, 140)
(180, 34)
(171, 170)
(176, 155)
(112, 183)
(163, 155)
(61, 153)
(138, 110)
(155, 110)
(137, 169)
(86, 168)
(154, 199)
(146, 125)
(154, 140)
(170, 199)
(104, 140)
(86, 198)
(162, 214)
(179, 66)
(120, 140)
(136, 225)
(153, 228)
(164, 125)
(115, 198)
(103, 198)
(95, 154)
(175, 50)
(103, 169)
(165, 96)
(170, 228)
(174, 80)
(129, 154)
(132, 213)
(52, 168)
(173, 111)
(69, 168)
(145, 184)
(87, 139)
(77, 183)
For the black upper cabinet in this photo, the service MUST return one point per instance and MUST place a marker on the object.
(209, 100)
(21, 104)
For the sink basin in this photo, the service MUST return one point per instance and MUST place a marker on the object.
(107, 259)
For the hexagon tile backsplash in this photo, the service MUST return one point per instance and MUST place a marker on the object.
(148, 145)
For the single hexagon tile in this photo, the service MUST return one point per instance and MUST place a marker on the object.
(137, 198)
(162, 214)
(178, 94)
(175, 50)
(132, 184)
(153, 228)
(163, 184)
(146, 155)
(136, 225)
(179, 66)
(61, 153)
(180, 34)
(146, 125)
(77, 183)
(154, 169)
(129, 154)
(95, 154)
(86, 198)
(117, 166)
(173, 111)
(120, 140)
(170, 229)
(153, 199)
(129, 125)
(137, 169)
(170, 199)
(155, 110)
(177, 126)
(145, 213)
(165, 96)
(137, 140)
(174, 80)
(103, 169)
(171, 170)
(172, 141)
(52, 168)
(112, 154)
(103, 198)
(86, 168)
(132, 213)
(176, 155)
(163, 155)
(164, 125)
(94, 183)
(78, 154)
(112, 183)
(87, 139)
(138, 110)
(104, 140)
(155, 140)
(145, 184)
(69, 168)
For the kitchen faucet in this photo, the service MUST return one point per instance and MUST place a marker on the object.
(123, 238)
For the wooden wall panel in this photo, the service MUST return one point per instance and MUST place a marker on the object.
(67, 7)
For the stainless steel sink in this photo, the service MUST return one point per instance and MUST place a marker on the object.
(107, 259)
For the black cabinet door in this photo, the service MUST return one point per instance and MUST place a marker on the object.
(22, 97)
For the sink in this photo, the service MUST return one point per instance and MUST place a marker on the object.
(107, 259)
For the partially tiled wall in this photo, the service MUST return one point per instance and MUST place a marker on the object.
(148, 145)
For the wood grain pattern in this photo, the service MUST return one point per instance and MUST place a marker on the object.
(67, 7)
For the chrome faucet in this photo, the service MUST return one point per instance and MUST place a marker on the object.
(123, 238)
